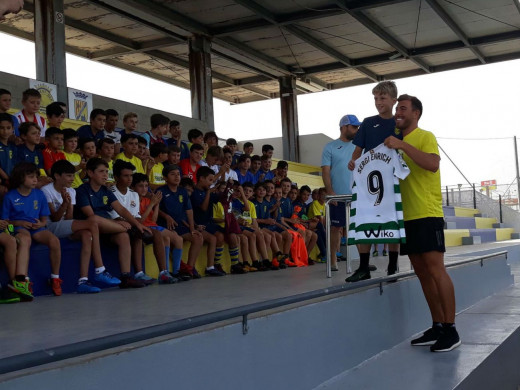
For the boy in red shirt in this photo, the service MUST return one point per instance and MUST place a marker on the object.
(54, 150)
(190, 166)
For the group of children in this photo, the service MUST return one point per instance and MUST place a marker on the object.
(99, 185)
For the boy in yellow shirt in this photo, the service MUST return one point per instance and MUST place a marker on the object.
(129, 154)
(70, 144)
(159, 153)
(106, 148)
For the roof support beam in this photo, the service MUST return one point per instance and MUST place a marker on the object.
(301, 16)
(441, 12)
(381, 33)
(49, 43)
(304, 36)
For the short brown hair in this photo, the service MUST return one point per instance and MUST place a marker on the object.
(416, 103)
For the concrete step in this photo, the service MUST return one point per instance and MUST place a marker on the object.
(487, 358)
(453, 222)
(454, 237)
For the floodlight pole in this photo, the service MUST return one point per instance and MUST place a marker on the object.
(517, 171)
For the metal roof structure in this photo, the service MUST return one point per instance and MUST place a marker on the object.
(325, 44)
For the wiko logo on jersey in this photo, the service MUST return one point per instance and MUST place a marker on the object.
(379, 233)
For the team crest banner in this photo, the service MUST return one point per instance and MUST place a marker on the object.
(80, 105)
(48, 91)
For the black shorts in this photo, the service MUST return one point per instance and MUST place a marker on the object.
(338, 216)
(424, 235)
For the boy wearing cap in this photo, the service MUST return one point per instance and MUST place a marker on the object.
(373, 132)
(336, 156)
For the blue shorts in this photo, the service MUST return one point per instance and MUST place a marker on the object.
(337, 215)
(213, 228)
(247, 229)
(182, 229)
(31, 231)
(160, 228)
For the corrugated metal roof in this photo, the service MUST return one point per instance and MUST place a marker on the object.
(325, 44)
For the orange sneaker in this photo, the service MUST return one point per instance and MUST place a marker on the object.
(289, 262)
(275, 264)
(55, 284)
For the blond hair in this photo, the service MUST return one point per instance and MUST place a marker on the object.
(386, 87)
(129, 115)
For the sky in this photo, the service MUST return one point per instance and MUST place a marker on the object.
(472, 111)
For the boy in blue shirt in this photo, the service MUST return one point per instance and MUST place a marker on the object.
(95, 199)
(176, 213)
(7, 148)
(243, 173)
(96, 128)
(373, 132)
(202, 200)
(5, 105)
(25, 207)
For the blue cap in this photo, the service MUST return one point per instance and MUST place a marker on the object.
(349, 120)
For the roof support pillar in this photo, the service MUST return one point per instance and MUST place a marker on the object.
(200, 80)
(49, 39)
(289, 110)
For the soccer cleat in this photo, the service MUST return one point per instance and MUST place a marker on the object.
(267, 264)
(282, 260)
(310, 261)
(85, 287)
(105, 279)
(127, 281)
(249, 268)
(219, 267)
(275, 264)
(385, 253)
(448, 340)
(22, 289)
(258, 265)
(358, 276)
(429, 337)
(238, 269)
(340, 257)
(55, 284)
(375, 253)
(167, 278)
(372, 267)
(289, 263)
(213, 272)
(145, 278)
(195, 274)
(8, 296)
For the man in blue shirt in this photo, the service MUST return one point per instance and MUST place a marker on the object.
(94, 198)
(336, 177)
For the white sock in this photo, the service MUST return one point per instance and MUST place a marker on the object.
(55, 276)
(209, 268)
(140, 273)
(82, 280)
(100, 270)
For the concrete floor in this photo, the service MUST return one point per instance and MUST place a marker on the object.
(50, 322)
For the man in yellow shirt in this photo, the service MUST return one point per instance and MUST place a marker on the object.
(424, 223)
(130, 148)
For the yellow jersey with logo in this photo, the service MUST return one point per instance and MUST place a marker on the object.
(156, 176)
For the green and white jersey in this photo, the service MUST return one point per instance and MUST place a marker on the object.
(376, 213)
